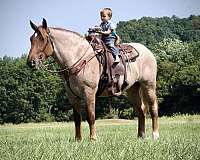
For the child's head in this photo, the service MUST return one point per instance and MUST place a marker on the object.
(106, 14)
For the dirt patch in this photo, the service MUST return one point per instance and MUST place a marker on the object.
(115, 121)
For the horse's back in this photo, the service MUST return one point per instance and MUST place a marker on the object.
(145, 55)
(143, 50)
(145, 62)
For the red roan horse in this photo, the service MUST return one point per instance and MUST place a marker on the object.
(71, 50)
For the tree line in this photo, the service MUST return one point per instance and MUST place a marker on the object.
(27, 96)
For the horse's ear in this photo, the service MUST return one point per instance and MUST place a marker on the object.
(44, 23)
(33, 26)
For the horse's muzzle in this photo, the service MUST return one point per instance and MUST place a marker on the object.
(35, 63)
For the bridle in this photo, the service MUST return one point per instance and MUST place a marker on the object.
(44, 51)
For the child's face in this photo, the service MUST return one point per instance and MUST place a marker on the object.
(105, 17)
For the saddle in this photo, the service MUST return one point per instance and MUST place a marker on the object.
(112, 72)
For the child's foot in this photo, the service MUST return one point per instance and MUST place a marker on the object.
(117, 60)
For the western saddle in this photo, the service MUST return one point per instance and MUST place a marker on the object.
(112, 71)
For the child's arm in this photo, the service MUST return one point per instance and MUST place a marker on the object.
(109, 31)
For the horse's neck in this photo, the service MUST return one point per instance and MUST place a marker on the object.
(68, 46)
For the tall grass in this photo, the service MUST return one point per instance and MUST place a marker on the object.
(179, 139)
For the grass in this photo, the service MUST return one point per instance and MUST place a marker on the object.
(117, 139)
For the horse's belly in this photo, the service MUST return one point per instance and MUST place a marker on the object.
(132, 73)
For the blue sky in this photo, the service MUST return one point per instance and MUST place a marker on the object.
(76, 15)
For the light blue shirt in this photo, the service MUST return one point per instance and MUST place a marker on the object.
(106, 26)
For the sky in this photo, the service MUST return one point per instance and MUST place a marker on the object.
(76, 15)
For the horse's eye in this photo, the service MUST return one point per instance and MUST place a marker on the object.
(41, 38)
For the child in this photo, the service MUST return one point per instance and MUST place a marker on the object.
(108, 32)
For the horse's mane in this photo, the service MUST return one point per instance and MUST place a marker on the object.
(66, 30)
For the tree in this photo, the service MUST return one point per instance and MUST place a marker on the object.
(178, 79)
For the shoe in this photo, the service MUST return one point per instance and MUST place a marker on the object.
(117, 60)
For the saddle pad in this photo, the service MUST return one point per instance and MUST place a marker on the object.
(128, 51)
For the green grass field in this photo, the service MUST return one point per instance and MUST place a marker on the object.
(117, 139)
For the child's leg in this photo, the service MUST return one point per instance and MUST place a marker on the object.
(115, 52)
(113, 48)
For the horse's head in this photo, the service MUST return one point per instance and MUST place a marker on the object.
(41, 45)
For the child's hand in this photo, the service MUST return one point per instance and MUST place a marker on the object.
(98, 29)
(101, 32)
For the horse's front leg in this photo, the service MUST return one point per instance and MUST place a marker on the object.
(90, 103)
(77, 121)
(76, 103)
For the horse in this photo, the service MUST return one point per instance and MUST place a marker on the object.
(81, 71)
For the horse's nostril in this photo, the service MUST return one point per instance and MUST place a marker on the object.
(33, 62)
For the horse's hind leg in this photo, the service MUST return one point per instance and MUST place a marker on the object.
(150, 99)
(135, 100)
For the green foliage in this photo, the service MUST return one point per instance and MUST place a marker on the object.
(176, 45)
(175, 51)
(178, 79)
(26, 96)
(127, 113)
(149, 31)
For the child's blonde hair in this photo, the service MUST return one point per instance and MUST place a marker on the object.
(107, 11)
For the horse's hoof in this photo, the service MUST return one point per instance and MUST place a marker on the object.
(93, 139)
(155, 135)
(78, 139)
(141, 135)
